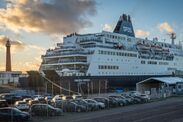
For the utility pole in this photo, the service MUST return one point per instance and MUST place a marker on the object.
(99, 87)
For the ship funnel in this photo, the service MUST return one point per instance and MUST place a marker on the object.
(124, 26)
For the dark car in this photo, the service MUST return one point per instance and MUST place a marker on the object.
(113, 102)
(45, 110)
(84, 103)
(10, 98)
(119, 99)
(136, 99)
(13, 114)
(143, 98)
(129, 99)
(3, 103)
(102, 100)
(58, 104)
(99, 105)
(73, 107)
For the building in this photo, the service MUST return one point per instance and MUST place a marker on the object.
(10, 77)
(158, 87)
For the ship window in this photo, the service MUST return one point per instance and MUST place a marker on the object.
(108, 67)
(143, 62)
(152, 62)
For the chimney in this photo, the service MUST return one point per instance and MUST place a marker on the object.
(8, 56)
(124, 26)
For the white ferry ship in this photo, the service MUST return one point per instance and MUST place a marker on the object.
(117, 56)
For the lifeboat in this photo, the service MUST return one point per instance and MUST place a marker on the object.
(143, 46)
(156, 47)
(165, 50)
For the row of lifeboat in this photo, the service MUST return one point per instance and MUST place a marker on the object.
(153, 47)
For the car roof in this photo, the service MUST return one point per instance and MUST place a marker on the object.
(20, 101)
(6, 108)
(2, 100)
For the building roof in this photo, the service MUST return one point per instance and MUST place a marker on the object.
(167, 80)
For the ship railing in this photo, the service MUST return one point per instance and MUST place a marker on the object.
(90, 40)
(73, 53)
(65, 61)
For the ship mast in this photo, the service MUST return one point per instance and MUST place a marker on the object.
(172, 37)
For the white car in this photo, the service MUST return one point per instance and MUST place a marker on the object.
(145, 96)
(56, 99)
(77, 96)
(21, 105)
(99, 104)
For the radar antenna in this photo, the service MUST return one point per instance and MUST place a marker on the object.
(172, 37)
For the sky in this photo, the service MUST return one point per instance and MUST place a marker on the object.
(33, 26)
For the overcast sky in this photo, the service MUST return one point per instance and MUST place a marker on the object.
(36, 25)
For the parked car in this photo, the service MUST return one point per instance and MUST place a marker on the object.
(143, 97)
(40, 99)
(45, 110)
(48, 99)
(32, 102)
(120, 100)
(10, 98)
(57, 98)
(73, 107)
(83, 103)
(3, 103)
(136, 99)
(102, 100)
(78, 96)
(134, 93)
(129, 99)
(21, 105)
(113, 102)
(34, 96)
(99, 105)
(27, 100)
(58, 104)
(13, 114)
(67, 98)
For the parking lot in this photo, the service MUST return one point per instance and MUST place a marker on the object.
(110, 107)
(165, 110)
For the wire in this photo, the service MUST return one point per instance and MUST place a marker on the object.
(59, 86)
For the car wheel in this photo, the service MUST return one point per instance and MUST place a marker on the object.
(121, 104)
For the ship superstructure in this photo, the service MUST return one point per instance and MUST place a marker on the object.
(118, 56)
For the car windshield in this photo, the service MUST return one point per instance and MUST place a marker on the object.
(49, 106)
(90, 101)
(22, 102)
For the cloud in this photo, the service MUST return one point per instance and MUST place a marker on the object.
(141, 33)
(107, 27)
(16, 44)
(49, 16)
(28, 65)
(39, 50)
(165, 27)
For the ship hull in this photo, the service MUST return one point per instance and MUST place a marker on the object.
(112, 81)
